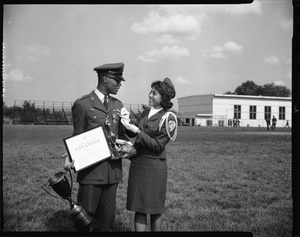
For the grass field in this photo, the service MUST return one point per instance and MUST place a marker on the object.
(219, 179)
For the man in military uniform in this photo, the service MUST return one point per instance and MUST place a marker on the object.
(98, 183)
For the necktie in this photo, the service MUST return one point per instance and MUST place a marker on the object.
(105, 102)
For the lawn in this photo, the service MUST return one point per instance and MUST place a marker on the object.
(219, 179)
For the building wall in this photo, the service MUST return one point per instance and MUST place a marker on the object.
(190, 106)
(225, 106)
(222, 108)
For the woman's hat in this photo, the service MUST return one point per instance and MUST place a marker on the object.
(169, 88)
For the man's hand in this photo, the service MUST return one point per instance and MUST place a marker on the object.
(125, 148)
(128, 150)
(129, 126)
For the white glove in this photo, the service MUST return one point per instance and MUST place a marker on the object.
(125, 114)
(68, 163)
(129, 126)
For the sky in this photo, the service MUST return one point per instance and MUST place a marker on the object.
(49, 51)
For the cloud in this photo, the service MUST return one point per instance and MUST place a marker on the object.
(145, 59)
(182, 80)
(16, 75)
(232, 47)
(167, 39)
(38, 50)
(183, 26)
(272, 60)
(279, 83)
(173, 23)
(286, 23)
(168, 23)
(173, 52)
(224, 51)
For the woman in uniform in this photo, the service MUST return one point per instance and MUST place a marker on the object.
(147, 182)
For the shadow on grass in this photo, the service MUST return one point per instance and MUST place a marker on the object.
(60, 221)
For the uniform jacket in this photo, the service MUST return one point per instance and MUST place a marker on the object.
(151, 142)
(89, 112)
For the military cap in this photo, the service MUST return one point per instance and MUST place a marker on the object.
(169, 88)
(114, 70)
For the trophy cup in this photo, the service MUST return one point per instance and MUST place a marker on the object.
(60, 184)
(111, 138)
(118, 147)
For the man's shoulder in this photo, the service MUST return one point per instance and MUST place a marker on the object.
(115, 100)
(86, 97)
(84, 100)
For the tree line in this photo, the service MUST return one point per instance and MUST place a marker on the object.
(29, 113)
(269, 89)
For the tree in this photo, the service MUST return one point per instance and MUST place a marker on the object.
(275, 90)
(246, 88)
(269, 89)
(28, 112)
(8, 111)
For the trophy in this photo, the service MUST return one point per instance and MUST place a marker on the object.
(118, 147)
(60, 184)
(111, 139)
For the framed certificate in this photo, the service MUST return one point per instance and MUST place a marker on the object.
(88, 148)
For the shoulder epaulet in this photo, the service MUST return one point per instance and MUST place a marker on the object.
(171, 124)
(83, 97)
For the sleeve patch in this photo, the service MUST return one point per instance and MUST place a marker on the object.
(172, 125)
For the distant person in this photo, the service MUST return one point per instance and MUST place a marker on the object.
(234, 122)
(287, 124)
(273, 123)
(12, 121)
(268, 121)
(238, 123)
(229, 122)
(147, 182)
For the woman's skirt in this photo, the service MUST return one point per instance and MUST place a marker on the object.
(147, 184)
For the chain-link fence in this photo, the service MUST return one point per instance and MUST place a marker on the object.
(54, 112)
(60, 113)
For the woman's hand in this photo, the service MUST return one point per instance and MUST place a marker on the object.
(129, 126)
(125, 114)
(68, 163)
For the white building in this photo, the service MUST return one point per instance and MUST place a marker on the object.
(251, 111)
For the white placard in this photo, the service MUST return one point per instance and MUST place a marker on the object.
(88, 148)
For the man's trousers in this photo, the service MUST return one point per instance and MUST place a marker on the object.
(100, 202)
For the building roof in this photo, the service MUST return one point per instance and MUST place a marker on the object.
(240, 96)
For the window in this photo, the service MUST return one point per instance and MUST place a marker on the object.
(267, 112)
(281, 113)
(252, 112)
(237, 112)
(187, 120)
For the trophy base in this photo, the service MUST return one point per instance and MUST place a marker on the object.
(80, 217)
